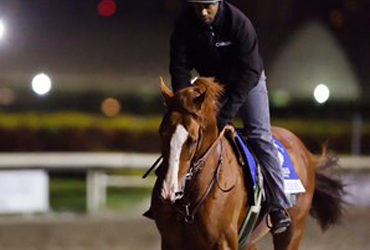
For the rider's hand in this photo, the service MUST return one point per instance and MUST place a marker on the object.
(221, 124)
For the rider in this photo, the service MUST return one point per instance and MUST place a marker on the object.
(218, 40)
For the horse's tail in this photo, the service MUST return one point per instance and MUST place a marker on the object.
(327, 203)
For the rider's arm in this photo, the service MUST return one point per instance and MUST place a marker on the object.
(180, 68)
(249, 72)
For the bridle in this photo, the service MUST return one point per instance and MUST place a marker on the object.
(195, 167)
(183, 204)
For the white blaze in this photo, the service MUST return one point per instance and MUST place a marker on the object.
(170, 184)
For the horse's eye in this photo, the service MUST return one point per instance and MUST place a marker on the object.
(190, 141)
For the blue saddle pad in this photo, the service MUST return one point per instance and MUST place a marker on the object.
(291, 180)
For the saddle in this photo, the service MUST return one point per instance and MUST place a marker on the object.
(255, 184)
(251, 166)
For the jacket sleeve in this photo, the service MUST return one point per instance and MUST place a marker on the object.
(180, 67)
(247, 75)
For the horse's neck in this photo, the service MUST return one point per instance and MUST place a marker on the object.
(211, 160)
(209, 137)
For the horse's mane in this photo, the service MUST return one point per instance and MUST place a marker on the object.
(201, 97)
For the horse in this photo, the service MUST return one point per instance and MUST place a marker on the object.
(199, 199)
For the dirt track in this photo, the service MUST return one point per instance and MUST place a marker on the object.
(117, 233)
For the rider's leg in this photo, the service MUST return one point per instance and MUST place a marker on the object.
(256, 118)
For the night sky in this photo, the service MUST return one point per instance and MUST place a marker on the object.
(83, 51)
(71, 42)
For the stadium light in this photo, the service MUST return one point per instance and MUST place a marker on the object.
(2, 29)
(280, 98)
(111, 107)
(41, 84)
(107, 8)
(321, 93)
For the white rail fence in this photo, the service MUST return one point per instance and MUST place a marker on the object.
(96, 166)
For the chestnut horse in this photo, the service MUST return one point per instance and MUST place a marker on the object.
(208, 211)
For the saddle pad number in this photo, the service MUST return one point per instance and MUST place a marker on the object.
(292, 183)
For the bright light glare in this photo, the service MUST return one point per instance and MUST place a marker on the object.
(111, 107)
(321, 93)
(41, 84)
(2, 29)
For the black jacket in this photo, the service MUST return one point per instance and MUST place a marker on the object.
(226, 50)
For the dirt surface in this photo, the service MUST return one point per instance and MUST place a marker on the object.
(113, 232)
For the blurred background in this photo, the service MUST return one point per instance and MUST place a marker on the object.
(80, 108)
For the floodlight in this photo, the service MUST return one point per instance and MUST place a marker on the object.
(321, 93)
(41, 84)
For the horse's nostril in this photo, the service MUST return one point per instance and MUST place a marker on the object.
(179, 194)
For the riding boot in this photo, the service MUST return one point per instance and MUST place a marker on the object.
(280, 220)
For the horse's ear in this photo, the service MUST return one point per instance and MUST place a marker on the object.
(166, 92)
(199, 100)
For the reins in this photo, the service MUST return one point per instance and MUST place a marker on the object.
(196, 167)
(155, 165)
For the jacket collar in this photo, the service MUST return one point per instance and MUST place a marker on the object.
(217, 23)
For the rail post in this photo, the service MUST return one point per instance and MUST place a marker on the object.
(96, 190)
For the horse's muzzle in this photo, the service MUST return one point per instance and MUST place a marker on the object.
(179, 195)
(169, 195)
